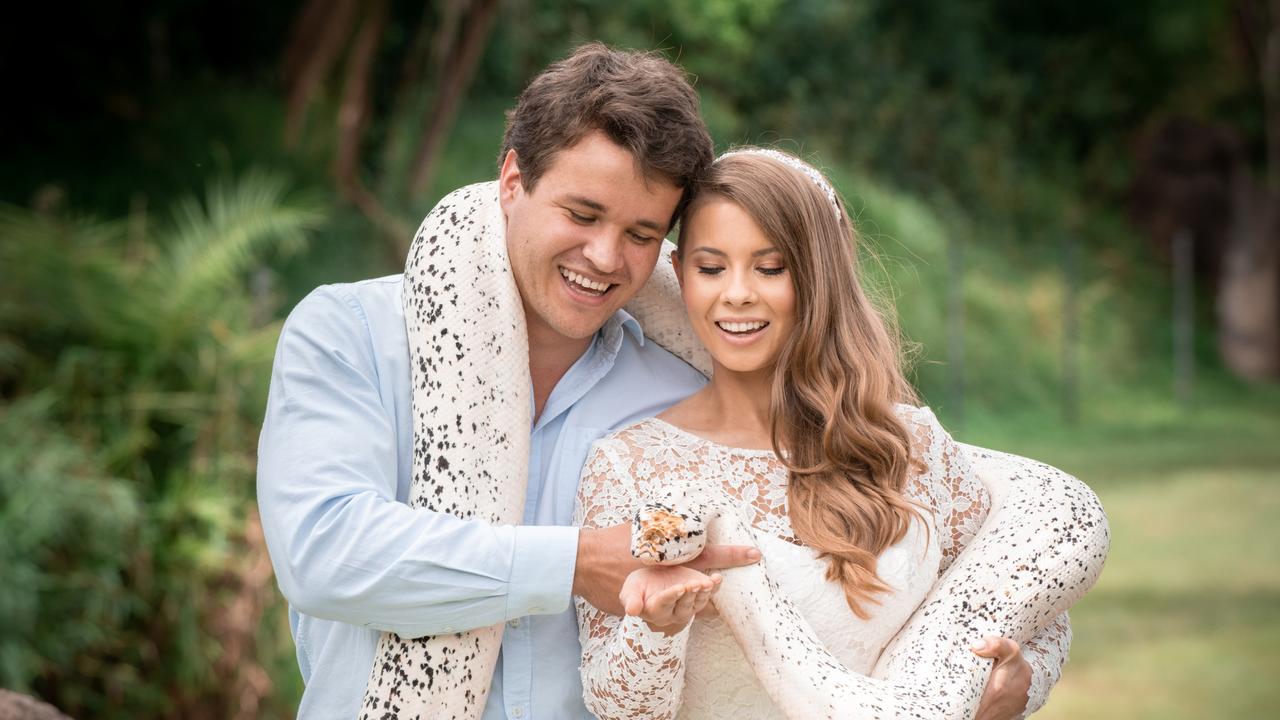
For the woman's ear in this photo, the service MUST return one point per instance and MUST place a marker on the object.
(675, 265)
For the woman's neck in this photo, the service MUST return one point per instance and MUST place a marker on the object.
(733, 409)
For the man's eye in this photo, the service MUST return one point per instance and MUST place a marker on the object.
(773, 270)
(642, 238)
(581, 219)
(708, 270)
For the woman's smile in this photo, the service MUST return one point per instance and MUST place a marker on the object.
(742, 332)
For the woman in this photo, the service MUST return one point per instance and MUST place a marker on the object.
(858, 500)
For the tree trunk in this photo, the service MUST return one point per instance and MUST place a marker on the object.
(353, 117)
(456, 72)
(1249, 293)
(318, 37)
(1249, 290)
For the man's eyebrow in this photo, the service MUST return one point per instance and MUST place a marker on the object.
(587, 202)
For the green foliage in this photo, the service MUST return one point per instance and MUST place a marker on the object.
(152, 347)
(65, 551)
(1013, 303)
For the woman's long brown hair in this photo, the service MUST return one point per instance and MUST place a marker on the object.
(837, 379)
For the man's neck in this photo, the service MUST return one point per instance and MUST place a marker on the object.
(550, 357)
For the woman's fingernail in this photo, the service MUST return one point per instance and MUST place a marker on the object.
(753, 555)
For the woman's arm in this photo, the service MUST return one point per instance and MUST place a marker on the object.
(964, 505)
(629, 670)
(1046, 653)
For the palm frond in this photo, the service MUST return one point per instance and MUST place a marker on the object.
(214, 243)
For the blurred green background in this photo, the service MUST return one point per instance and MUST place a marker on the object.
(1074, 208)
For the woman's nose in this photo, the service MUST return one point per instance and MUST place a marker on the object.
(740, 290)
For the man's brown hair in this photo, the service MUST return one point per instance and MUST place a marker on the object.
(639, 100)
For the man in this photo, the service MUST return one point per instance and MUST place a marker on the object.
(600, 154)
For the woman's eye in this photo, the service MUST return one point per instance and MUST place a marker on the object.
(772, 270)
(707, 270)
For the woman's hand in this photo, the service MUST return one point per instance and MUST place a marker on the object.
(667, 597)
(604, 563)
(1005, 696)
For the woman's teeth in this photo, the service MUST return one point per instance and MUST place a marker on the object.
(589, 285)
(741, 327)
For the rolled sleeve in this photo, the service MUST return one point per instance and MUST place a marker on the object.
(542, 570)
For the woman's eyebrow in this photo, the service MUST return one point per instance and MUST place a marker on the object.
(763, 251)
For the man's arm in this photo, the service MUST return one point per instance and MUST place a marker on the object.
(342, 546)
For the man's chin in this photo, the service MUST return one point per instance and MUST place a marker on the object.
(585, 325)
(577, 326)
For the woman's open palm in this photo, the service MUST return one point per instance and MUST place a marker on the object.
(667, 597)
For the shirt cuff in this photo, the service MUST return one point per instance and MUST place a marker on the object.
(542, 570)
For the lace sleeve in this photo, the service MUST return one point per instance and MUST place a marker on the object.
(960, 500)
(628, 671)
(1046, 652)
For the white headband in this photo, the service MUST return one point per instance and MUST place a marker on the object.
(793, 162)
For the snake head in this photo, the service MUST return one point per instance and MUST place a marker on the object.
(661, 535)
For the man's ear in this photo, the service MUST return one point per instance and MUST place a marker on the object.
(509, 180)
(675, 265)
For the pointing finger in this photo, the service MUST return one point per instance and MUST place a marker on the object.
(725, 556)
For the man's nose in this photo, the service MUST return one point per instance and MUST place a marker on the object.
(604, 251)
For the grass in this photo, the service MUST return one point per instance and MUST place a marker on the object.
(1185, 620)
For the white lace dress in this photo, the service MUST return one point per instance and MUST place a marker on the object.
(629, 671)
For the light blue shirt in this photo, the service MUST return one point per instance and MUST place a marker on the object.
(353, 559)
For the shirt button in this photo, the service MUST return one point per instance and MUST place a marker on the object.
(517, 711)
(514, 623)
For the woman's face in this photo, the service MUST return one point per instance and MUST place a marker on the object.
(736, 289)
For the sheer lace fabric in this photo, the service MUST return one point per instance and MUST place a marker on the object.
(631, 672)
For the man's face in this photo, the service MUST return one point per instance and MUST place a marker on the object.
(585, 239)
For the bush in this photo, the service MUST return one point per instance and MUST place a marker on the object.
(135, 573)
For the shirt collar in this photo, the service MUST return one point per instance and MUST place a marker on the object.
(593, 365)
(611, 333)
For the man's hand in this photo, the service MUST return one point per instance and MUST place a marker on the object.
(1005, 696)
(605, 561)
(667, 597)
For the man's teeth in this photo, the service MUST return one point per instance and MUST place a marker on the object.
(741, 327)
(587, 283)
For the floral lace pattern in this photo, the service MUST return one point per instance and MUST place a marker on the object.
(631, 672)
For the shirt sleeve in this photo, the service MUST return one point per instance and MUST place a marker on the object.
(628, 670)
(343, 547)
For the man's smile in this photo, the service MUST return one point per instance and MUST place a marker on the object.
(584, 284)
